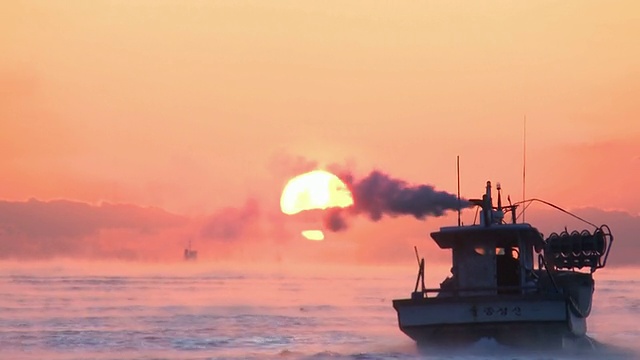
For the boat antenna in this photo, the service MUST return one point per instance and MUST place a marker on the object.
(458, 175)
(524, 164)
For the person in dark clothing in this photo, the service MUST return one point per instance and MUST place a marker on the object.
(508, 270)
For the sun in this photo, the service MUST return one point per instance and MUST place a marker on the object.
(317, 189)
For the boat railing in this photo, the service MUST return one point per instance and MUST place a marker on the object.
(464, 292)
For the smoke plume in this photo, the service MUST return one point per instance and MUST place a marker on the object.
(378, 195)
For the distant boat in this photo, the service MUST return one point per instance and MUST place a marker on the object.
(496, 291)
(190, 254)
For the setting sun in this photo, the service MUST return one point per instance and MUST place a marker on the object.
(317, 189)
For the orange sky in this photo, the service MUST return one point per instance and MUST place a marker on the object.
(189, 106)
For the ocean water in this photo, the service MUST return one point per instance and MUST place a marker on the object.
(203, 311)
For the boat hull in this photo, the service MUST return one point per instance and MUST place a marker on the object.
(515, 320)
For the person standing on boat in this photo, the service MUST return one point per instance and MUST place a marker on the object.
(507, 266)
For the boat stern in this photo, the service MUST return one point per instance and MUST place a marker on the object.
(513, 320)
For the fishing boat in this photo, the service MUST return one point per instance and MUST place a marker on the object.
(190, 254)
(507, 282)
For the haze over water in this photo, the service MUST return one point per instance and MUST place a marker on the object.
(129, 129)
(65, 310)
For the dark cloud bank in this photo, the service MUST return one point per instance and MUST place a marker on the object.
(45, 229)
(63, 218)
(61, 228)
(37, 229)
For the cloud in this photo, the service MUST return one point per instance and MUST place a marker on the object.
(44, 229)
(232, 223)
(63, 218)
(47, 229)
(36, 229)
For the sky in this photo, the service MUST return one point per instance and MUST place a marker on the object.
(193, 115)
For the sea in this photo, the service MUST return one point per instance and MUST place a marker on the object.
(124, 310)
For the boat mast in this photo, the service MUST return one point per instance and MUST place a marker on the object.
(524, 165)
(458, 175)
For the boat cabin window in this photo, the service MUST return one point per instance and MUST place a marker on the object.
(483, 250)
(515, 253)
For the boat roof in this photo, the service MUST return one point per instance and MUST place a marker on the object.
(503, 235)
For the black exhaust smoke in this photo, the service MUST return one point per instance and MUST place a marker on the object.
(378, 195)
